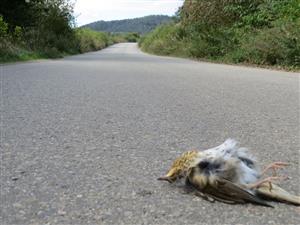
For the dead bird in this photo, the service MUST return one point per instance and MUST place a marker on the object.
(229, 173)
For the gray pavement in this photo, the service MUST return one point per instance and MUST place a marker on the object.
(84, 138)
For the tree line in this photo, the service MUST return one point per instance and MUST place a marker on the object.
(140, 25)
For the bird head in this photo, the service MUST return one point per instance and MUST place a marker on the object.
(180, 166)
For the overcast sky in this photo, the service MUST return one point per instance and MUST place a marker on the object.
(88, 11)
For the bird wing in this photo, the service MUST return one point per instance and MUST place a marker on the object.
(277, 193)
(221, 189)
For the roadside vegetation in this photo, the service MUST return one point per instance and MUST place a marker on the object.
(36, 29)
(262, 32)
(125, 37)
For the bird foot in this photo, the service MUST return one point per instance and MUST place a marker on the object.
(274, 166)
(267, 180)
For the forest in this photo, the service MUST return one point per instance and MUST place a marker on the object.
(140, 25)
(261, 32)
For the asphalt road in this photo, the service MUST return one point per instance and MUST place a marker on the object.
(84, 138)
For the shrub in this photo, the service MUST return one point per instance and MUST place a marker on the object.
(252, 31)
(3, 27)
(278, 45)
(17, 34)
(89, 40)
(167, 39)
(44, 29)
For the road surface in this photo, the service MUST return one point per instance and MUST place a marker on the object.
(84, 138)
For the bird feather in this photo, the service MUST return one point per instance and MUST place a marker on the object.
(221, 189)
(277, 193)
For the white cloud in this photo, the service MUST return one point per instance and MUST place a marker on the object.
(88, 11)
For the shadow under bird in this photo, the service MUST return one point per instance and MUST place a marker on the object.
(229, 173)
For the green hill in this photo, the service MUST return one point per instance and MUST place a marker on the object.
(139, 25)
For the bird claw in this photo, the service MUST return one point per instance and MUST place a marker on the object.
(275, 178)
(274, 166)
(268, 180)
(278, 165)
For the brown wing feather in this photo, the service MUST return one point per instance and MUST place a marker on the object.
(225, 190)
(221, 189)
(277, 193)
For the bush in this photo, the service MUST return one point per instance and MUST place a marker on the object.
(132, 37)
(125, 37)
(210, 42)
(17, 34)
(252, 31)
(167, 39)
(89, 40)
(41, 27)
(3, 27)
(278, 45)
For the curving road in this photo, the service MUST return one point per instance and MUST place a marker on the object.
(84, 138)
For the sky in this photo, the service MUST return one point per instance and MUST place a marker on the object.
(87, 11)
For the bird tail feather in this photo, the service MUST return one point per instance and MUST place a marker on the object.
(277, 193)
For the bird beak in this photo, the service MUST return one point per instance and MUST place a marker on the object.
(166, 178)
(171, 176)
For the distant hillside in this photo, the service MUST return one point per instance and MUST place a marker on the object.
(140, 25)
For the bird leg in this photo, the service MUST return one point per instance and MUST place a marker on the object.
(266, 180)
(274, 166)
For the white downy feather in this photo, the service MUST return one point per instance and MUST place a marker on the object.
(230, 149)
